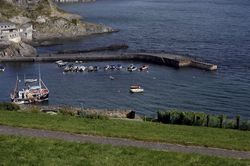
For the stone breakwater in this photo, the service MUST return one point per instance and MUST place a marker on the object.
(177, 61)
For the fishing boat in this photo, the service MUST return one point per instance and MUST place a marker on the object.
(136, 89)
(30, 93)
(132, 68)
(2, 69)
(144, 67)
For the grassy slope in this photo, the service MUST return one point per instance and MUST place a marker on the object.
(34, 151)
(213, 137)
(7, 10)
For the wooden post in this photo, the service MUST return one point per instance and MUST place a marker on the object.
(237, 122)
(208, 118)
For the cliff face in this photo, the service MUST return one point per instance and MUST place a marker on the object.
(48, 20)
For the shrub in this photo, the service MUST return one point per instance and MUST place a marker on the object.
(66, 111)
(214, 121)
(9, 106)
(83, 114)
(200, 119)
(34, 109)
(229, 124)
(245, 125)
(75, 21)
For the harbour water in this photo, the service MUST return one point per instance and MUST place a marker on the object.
(217, 31)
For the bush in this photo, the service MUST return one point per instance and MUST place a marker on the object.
(91, 115)
(245, 125)
(214, 121)
(229, 124)
(66, 111)
(201, 119)
(9, 106)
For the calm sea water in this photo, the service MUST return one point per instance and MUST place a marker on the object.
(217, 31)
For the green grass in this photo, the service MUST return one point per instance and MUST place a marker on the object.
(33, 151)
(188, 135)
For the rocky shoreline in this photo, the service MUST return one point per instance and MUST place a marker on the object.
(77, 111)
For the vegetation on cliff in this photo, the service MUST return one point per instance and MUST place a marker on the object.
(48, 20)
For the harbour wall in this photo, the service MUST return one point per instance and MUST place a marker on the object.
(177, 61)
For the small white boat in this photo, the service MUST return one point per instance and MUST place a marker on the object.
(60, 61)
(119, 67)
(144, 67)
(107, 67)
(75, 68)
(132, 68)
(61, 64)
(81, 68)
(90, 68)
(136, 89)
(111, 77)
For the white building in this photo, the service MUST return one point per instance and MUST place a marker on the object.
(26, 31)
(9, 32)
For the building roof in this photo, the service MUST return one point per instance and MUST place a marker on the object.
(7, 24)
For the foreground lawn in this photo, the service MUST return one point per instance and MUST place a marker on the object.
(34, 151)
(149, 131)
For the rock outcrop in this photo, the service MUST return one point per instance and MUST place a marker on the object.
(17, 49)
(48, 20)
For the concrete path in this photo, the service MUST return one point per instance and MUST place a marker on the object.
(7, 130)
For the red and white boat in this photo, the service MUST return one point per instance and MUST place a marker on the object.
(30, 93)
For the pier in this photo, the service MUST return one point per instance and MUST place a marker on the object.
(177, 61)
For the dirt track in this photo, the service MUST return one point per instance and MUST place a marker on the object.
(7, 130)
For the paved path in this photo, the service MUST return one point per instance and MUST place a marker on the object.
(7, 130)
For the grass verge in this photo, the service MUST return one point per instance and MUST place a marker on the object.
(149, 131)
(36, 151)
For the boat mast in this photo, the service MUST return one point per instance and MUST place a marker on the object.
(40, 78)
(16, 87)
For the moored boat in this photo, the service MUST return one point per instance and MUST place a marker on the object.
(30, 93)
(90, 68)
(2, 69)
(61, 64)
(112, 67)
(136, 89)
(81, 68)
(144, 67)
(132, 68)
(107, 67)
(119, 67)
